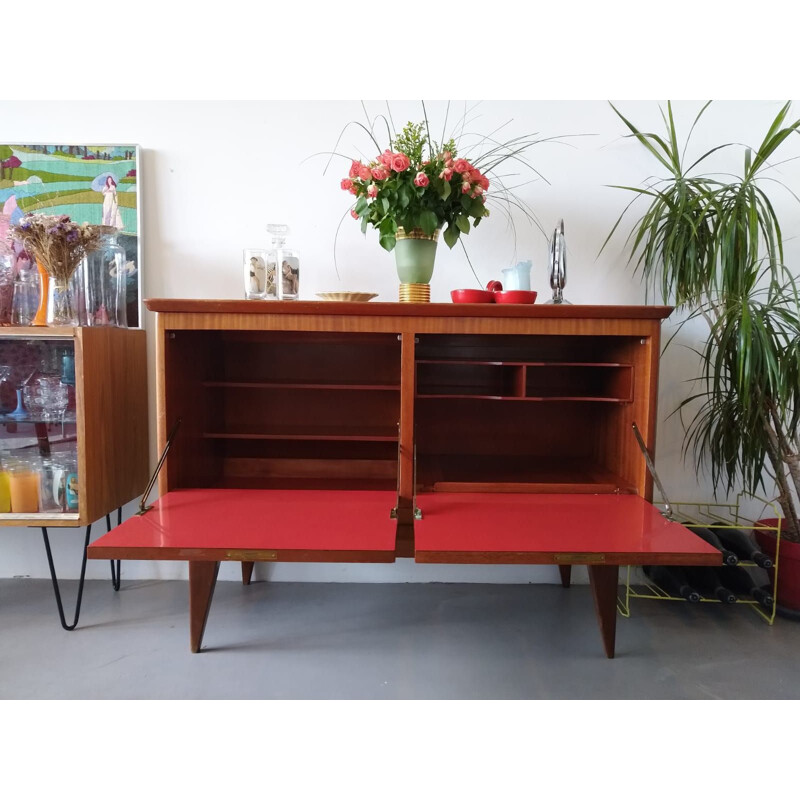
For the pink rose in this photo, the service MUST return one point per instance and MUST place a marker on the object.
(477, 189)
(446, 174)
(347, 184)
(400, 162)
(447, 156)
(462, 165)
(354, 168)
(385, 159)
(372, 190)
(364, 172)
(421, 179)
(353, 213)
(483, 181)
(465, 187)
(380, 174)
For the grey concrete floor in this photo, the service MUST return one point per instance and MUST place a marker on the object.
(383, 641)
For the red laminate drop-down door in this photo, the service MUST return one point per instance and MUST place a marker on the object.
(257, 525)
(608, 529)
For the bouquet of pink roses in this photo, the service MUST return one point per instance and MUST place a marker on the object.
(411, 186)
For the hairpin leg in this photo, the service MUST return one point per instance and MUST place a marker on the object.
(55, 579)
(116, 568)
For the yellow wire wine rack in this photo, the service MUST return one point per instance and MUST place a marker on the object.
(712, 516)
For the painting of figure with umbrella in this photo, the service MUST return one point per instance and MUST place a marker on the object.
(96, 184)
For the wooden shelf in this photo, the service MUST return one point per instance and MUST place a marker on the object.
(363, 387)
(447, 473)
(35, 520)
(322, 433)
(473, 393)
(327, 483)
(507, 363)
(566, 381)
(38, 332)
(70, 419)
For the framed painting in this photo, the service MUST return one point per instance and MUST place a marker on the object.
(93, 183)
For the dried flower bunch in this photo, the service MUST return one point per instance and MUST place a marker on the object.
(56, 242)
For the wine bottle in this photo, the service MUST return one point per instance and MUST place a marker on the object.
(738, 580)
(744, 547)
(728, 556)
(706, 580)
(673, 581)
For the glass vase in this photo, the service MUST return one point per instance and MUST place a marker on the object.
(6, 285)
(25, 298)
(105, 279)
(60, 307)
(40, 317)
(415, 253)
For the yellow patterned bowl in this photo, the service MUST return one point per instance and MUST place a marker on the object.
(347, 297)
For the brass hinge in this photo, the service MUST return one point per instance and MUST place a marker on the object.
(252, 555)
(579, 558)
(417, 513)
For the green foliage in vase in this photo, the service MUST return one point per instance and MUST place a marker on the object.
(715, 247)
(419, 183)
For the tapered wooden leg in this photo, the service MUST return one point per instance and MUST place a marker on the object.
(604, 580)
(566, 574)
(247, 572)
(202, 580)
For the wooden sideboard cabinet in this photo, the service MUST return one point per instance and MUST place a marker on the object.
(368, 431)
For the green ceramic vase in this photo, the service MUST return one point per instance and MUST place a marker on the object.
(414, 255)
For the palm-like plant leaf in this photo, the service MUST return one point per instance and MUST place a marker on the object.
(715, 246)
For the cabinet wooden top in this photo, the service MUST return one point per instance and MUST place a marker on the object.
(458, 310)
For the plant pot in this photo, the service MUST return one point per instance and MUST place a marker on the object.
(787, 592)
(415, 253)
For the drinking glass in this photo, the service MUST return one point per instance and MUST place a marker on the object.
(23, 484)
(6, 285)
(254, 261)
(32, 401)
(25, 297)
(51, 496)
(7, 393)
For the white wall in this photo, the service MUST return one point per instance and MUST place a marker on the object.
(213, 174)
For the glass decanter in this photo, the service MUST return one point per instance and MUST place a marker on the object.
(283, 267)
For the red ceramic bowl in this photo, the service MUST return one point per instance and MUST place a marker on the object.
(514, 296)
(472, 296)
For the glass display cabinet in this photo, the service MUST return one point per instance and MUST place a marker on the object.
(73, 423)
(73, 431)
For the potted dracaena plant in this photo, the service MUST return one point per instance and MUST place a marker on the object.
(713, 245)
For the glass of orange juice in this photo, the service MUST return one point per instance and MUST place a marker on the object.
(23, 485)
